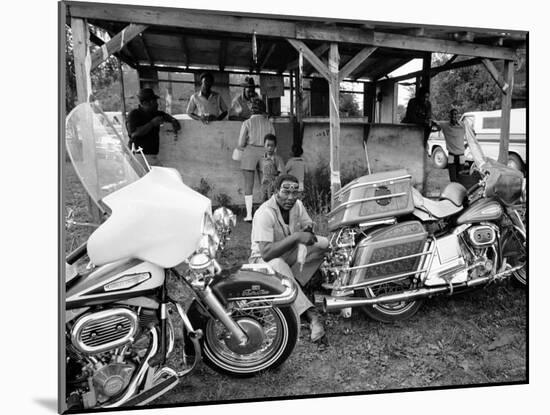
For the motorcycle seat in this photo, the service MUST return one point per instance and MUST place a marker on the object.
(435, 208)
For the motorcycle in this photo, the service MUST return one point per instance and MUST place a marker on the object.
(120, 319)
(390, 248)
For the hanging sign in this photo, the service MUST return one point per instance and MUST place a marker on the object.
(272, 86)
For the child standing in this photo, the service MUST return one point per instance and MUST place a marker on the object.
(271, 165)
(297, 166)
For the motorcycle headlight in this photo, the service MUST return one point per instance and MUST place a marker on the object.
(224, 217)
(209, 244)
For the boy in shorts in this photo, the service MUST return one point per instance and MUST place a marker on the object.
(271, 166)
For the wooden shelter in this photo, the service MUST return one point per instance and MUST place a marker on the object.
(153, 39)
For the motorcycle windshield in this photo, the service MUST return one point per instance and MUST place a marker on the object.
(475, 149)
(98, 153)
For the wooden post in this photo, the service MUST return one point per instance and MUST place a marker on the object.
(122, 92)
(334, 114)
(291, 83)
(82, 59)
(82, 65)
(493, 71)
(506, 108)
(426, 67)
(299, 107)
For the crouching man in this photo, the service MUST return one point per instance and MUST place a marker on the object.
(279, 226)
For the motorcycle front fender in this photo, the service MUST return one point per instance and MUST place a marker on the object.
(254, 285)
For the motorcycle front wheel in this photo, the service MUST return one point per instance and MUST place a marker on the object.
(515, 251)
(390, 312)
(272, 332)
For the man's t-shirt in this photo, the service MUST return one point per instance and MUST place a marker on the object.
(454, 137)
(200, 105)
(297, 167)
(150, 141)
(268, 224)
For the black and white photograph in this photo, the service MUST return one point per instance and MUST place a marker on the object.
(267, 206)
(262, 206)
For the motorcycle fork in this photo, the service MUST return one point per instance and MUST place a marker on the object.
(209, 302)
(163, 309)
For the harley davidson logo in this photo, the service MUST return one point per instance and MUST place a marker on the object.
(255, 290)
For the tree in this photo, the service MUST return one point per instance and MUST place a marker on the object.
(470, 88)
(105, 78)
(348, 105)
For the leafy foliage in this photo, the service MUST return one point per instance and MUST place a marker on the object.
(348, 105)
(471, 88)
(105, 78)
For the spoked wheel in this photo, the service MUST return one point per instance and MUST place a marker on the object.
(515, 251)
(390, 312)
(272, 334)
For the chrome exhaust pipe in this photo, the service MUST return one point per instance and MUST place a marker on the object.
(337, 303)
(137, 379)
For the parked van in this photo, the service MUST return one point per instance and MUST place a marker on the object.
(487, 128)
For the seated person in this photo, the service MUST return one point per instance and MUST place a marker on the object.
(279, 226)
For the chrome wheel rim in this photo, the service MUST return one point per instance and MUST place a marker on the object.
(395, 308)
(272, 346)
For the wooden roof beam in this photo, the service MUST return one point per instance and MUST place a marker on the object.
(145, 50)
(185, 48)
(311, 57)
(464, 36)
(267, 56)
(497, 77)
(354, 62)
(318, 51)
(116, 43)
(437, 69)
(223, 23)
(222, 54)
(120, 54)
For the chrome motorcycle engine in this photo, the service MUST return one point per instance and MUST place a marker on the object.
(337, 261)
(105, 350)
(482, 235)
(104, 330)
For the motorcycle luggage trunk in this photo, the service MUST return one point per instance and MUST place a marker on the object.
(370, 197)
(394, 244)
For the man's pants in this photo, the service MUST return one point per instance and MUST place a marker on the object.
(291, 269)
(454, 166)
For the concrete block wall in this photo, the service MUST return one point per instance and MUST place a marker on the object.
(204, 151)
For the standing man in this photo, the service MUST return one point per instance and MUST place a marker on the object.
(280, 225)
(143, 125)
(251, 143)
(241, 106)
(453, 131)
(206, 105)
(419, 111)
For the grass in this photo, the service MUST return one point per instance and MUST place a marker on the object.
(473, 338)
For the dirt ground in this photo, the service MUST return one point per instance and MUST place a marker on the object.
(474, 338)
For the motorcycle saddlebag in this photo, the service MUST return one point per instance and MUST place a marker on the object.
(247, 283)
(374, 196)
(389, 244)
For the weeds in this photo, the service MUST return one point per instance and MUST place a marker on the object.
(317, 194)
(204, 187)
